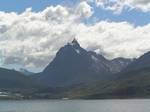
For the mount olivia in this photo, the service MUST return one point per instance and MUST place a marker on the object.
(74, 65)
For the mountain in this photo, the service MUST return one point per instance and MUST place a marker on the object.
(78, 73)
(25, 72)
(11, 79)
(74, 65)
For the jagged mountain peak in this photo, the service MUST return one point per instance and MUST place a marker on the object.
(74, 43)
(70, 49)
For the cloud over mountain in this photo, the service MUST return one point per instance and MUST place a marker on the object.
(32, 38)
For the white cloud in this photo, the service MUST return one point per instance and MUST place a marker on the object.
(115, 39)
(141, 4)
(118, 5)
(32, 38)
(84, 10)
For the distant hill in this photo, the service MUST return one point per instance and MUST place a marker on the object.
(10, 79)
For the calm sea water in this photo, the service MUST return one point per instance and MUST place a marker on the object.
(76, 106)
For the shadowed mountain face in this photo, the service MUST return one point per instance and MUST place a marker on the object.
(74, 65)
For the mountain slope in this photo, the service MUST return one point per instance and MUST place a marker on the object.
(132, 84)
(141, 62)
(10, 79)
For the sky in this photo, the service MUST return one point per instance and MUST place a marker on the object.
(32, 31)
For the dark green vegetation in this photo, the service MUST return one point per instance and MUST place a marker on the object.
(77, 73)
(132, 84)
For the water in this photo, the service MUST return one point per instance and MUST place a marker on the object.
(75, 106)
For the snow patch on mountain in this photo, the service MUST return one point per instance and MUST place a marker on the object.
(94, 58)
(78, 51)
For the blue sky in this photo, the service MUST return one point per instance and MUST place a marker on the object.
(37, 5)
(136, 17)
